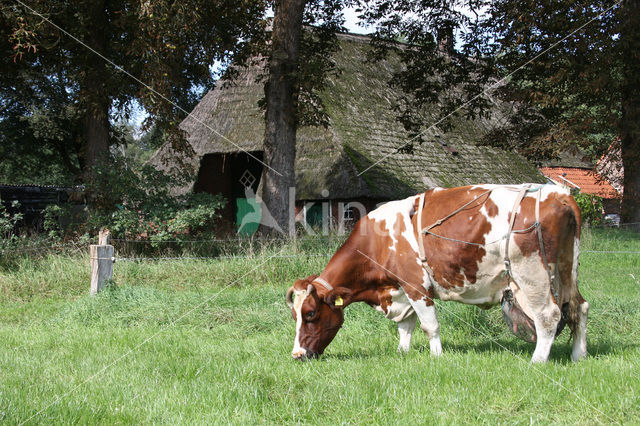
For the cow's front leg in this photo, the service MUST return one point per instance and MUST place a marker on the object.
(426, 311)
(405, 330)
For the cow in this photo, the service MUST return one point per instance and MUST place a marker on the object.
(481, 245)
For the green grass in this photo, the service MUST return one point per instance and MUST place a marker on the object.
(202, 342)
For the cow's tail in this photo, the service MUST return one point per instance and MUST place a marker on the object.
(575, 298)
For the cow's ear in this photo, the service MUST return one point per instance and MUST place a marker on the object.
(338, 297)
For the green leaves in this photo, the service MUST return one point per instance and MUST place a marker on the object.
(591, 208)
(165, 48)
(566, 83)
(138, 204)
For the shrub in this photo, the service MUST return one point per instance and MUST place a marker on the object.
(591, 208)
(139, 205)
(8, 224)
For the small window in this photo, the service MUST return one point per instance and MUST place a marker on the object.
(348, 214)
(247, 179)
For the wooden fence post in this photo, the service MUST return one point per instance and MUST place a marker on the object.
(102, 259)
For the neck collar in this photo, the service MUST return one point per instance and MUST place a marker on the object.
(323, 283)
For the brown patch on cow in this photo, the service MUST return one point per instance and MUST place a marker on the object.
(430, 296)
(455, 262)
(384, 297)
(491, 207)
(350, 265)
(303, 283)
(555, 214)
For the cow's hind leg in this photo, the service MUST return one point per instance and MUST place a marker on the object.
(540, 306)
(405, 330)
(580, 333)
(546, 321)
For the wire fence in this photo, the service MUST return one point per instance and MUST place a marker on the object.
(43, 246)
(301, 255)
(175, 249)
(288, 256)
(133, 250)
(220, 248)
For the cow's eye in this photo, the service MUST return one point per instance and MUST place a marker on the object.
(310, 314)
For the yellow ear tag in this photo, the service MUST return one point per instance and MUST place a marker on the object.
(338, 301)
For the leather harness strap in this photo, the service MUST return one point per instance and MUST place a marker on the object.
(421, 251)
(521, 194)
(323, 283)
(522, 191)
(423, 258)
(543, 253)
(514, 211)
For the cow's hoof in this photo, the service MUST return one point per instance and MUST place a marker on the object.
(435, 346)
(579, 356)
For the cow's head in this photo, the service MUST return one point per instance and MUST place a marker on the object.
(318, 313)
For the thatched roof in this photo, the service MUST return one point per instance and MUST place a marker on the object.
(363, 130)
(575, 158)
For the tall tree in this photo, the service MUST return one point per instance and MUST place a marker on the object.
(281, 94)
(571, 72)
(574, 70)
(166, 48)
(299, 60)
(630, 118)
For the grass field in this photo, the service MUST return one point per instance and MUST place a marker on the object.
(208, 342)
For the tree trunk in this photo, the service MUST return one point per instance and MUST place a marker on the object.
(95, 101)
(630, 122)
(96, 135)
(281, 93)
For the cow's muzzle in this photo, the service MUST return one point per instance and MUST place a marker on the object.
(304, 355)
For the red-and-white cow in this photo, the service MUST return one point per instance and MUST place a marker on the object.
(380, 264)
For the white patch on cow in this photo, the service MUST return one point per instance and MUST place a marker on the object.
(429, 323)
(534, 296)
(546, 321)
(388, 213)
(553, 189)
(400, 308)
(379, 309)
(298, 351)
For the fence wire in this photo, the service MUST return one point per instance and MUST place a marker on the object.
(147, 259)
(302, 255)
(139, 250)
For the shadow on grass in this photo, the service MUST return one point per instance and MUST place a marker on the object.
(353, 355)
(560, 351)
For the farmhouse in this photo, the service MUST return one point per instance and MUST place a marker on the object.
(355, 158)
(577, 174)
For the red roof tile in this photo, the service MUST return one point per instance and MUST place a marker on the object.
(588, 181)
